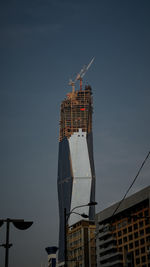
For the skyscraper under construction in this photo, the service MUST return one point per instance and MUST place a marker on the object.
(76, 174)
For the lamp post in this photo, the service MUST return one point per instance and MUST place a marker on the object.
(19, 224)
(66, 217)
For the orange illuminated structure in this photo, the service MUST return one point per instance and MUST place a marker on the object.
(76, 112)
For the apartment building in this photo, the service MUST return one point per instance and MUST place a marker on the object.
(123, 239)
(81, 247)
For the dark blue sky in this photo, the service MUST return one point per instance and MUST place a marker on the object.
(44, 43)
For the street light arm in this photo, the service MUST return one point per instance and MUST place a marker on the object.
(77, 208)
(82, 215)
(85, 205)
(72, 211)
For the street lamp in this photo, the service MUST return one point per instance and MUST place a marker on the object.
(66, 217)
(19, 224)
(92, 203)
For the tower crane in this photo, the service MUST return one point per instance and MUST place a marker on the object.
(83, 71)
(80, 75)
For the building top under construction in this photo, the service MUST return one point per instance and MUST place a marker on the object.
(76, 112)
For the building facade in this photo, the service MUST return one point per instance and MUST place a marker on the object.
(81, 245)
(76, 175)
(124, 238)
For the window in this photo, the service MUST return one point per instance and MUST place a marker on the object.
(143, 250)
(119, 233)
(125, 239)
(135, 226)
(143, 258)
(148, 230)
(124, 231)
(141, 224)
(148, 238)
(130, 229)
(120, 241)
(119, 225)
(136, 235)
(130, 237)
(141, 232)
(131, 245)
(124, 223)
(129, 220)
(113, 227)
(147, 221)
(137, 243)
(142, 241)
(137, 252)
(137, 260)
(126, 248)
(146, 213)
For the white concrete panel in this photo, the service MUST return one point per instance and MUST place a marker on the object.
(80, 196)
(82, 176)
(79, 154)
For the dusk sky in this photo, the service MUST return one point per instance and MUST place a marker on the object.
(44, 43)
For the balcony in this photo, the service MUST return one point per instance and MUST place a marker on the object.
(110, 256)
(118, 263)
(105, 241)
(109, 247)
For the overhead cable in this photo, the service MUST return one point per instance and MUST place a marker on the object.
(131, 184)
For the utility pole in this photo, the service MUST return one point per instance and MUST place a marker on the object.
(65, 236)
(7, 242)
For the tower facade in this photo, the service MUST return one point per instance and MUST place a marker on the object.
(76, 174)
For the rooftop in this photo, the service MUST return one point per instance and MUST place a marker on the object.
(129, 202)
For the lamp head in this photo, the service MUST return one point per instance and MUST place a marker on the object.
(84, 215)
(22, 225)
(92, 203)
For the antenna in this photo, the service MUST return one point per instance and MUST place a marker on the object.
(80, 75)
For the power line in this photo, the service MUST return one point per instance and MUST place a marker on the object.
(131, 183)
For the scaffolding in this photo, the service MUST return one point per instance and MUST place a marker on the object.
(76, 112)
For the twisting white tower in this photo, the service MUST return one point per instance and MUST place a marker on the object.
(76, 174)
